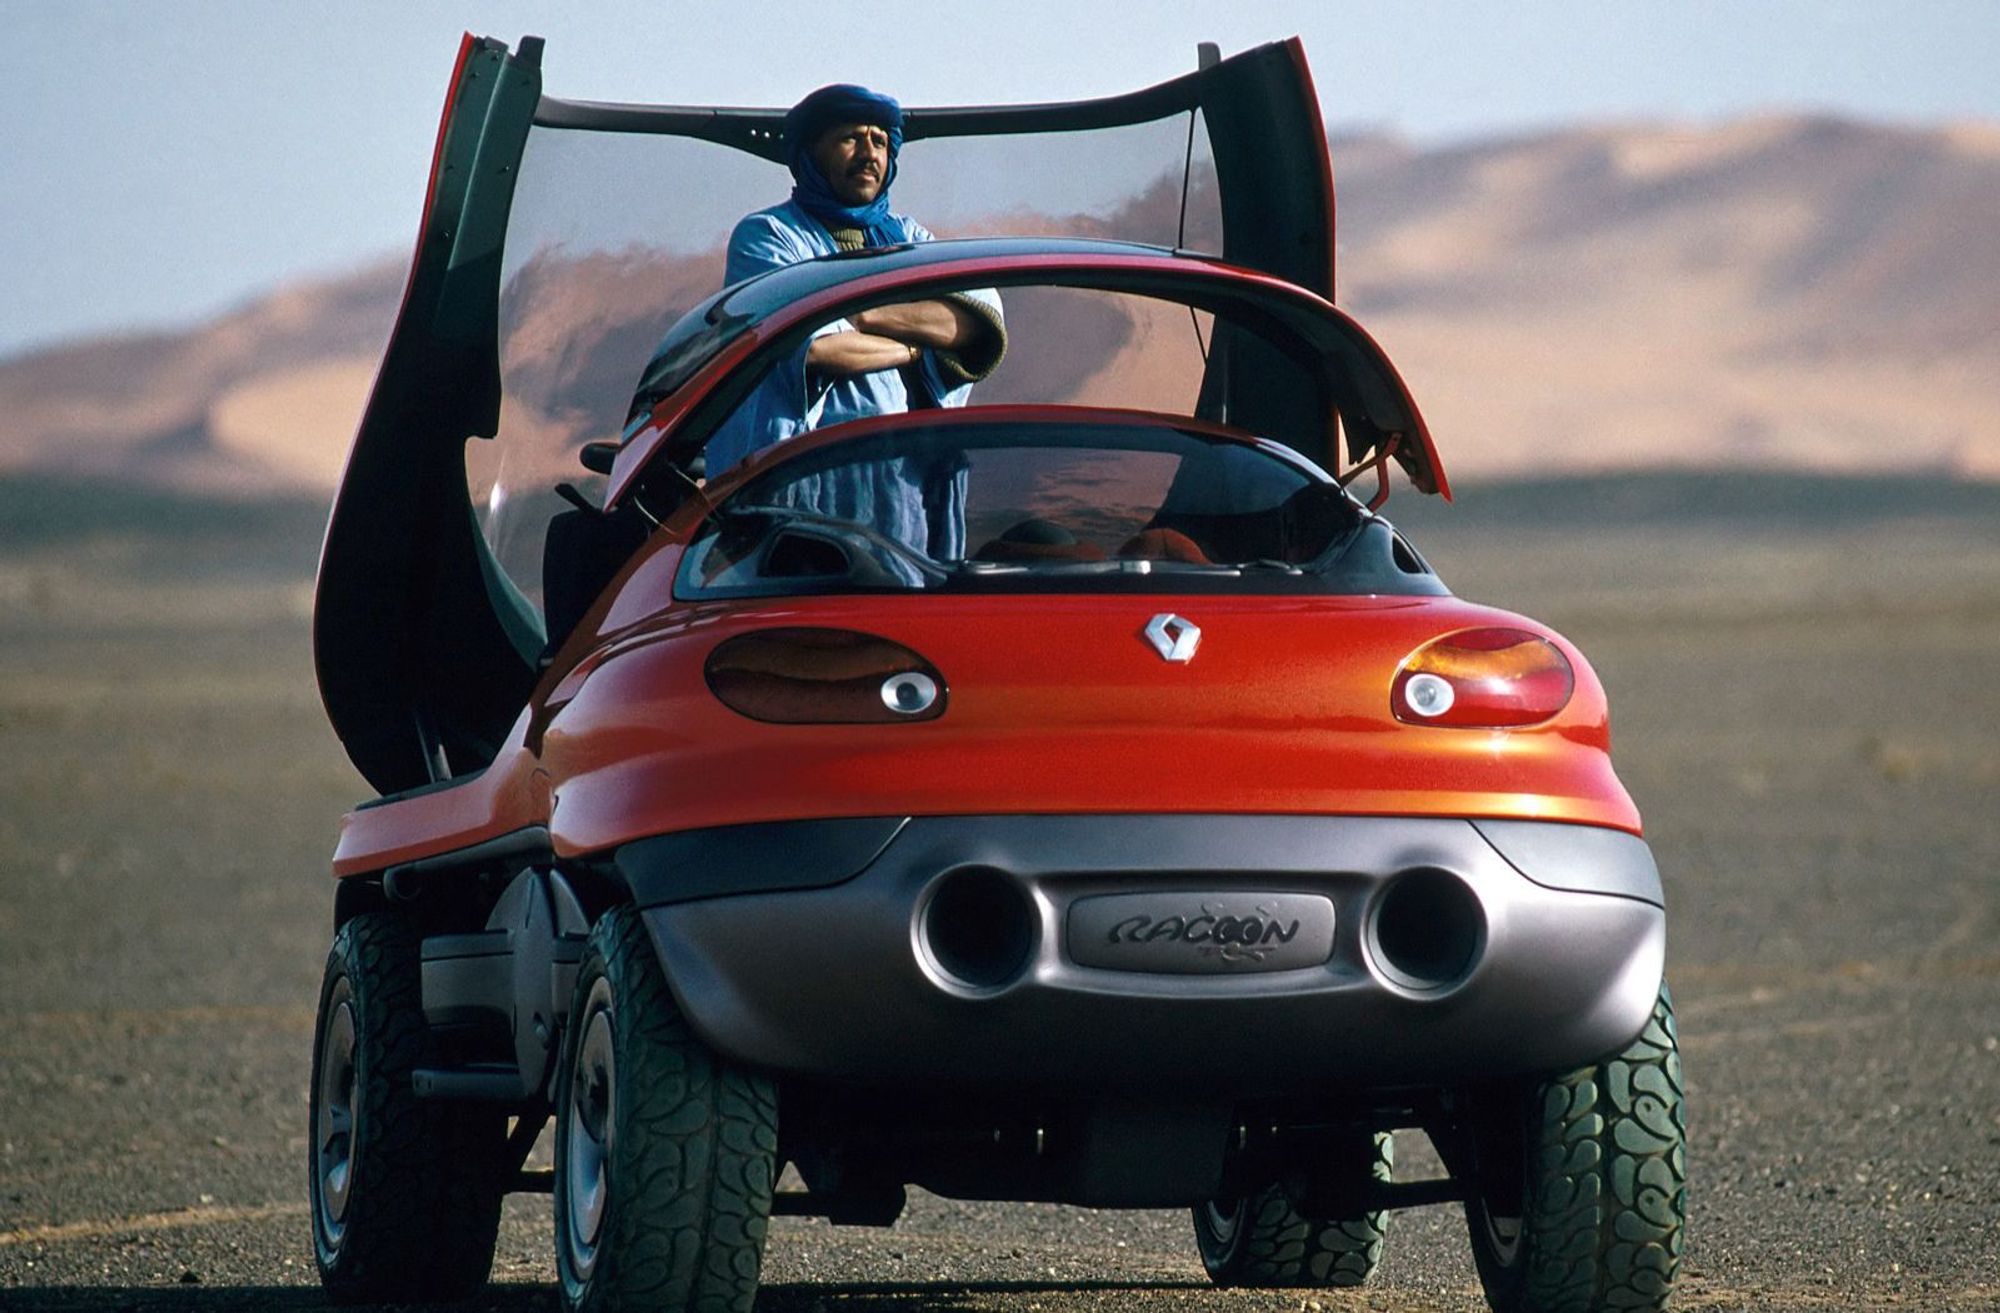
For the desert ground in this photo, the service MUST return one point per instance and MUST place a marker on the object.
(1805, 706)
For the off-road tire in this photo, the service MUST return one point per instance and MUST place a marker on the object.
(420, 1207)
(682, 1155)
(1598, 1221)
(1263, 1240)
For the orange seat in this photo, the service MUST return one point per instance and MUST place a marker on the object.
(1163, 545)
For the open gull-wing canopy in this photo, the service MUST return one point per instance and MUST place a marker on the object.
(426, 648)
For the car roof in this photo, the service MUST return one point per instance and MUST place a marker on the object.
(694, 338)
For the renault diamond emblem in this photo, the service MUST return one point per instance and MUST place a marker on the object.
(1174, 638)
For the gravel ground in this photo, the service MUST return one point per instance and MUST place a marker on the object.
(1813, 748)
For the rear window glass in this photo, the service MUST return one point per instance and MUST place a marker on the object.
(969, 506)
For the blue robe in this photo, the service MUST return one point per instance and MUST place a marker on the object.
(902, 502)
(789, 402)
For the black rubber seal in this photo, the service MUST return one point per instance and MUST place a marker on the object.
(747, 859)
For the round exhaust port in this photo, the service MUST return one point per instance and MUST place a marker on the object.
(1426, 930)
(979, 928)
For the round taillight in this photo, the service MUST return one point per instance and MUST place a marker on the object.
(911, 693)
(1428, 695)
(823, 677)
(1483, 679)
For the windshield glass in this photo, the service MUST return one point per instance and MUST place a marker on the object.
(1022, 505)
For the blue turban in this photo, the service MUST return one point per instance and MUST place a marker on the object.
(806, 121)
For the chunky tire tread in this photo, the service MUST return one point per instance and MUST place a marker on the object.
(1278, 1246)
(691, 1172)
(423, 1208)
(1607, 1185)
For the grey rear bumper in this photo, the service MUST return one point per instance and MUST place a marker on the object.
(847, 980)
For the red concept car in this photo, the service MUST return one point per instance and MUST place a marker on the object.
(1076, 795)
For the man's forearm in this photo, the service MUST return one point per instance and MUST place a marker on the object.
(841, 354)
(945, 325)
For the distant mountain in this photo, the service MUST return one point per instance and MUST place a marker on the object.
(1793, 292)
(262, 399)
(1803, 292)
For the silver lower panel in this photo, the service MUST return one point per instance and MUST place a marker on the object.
(837, 983)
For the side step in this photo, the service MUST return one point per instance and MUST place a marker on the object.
(875, 1207)
(1413, 1194)
(488, 1083)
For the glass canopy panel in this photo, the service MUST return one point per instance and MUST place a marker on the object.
(613, 236)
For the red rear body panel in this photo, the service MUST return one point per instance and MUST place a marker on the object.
(1058, 705)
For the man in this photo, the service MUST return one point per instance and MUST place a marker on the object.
(843, 142)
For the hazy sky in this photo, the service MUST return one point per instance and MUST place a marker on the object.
(162, 161)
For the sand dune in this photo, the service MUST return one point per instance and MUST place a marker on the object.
(295, 423)
(1794, 291)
